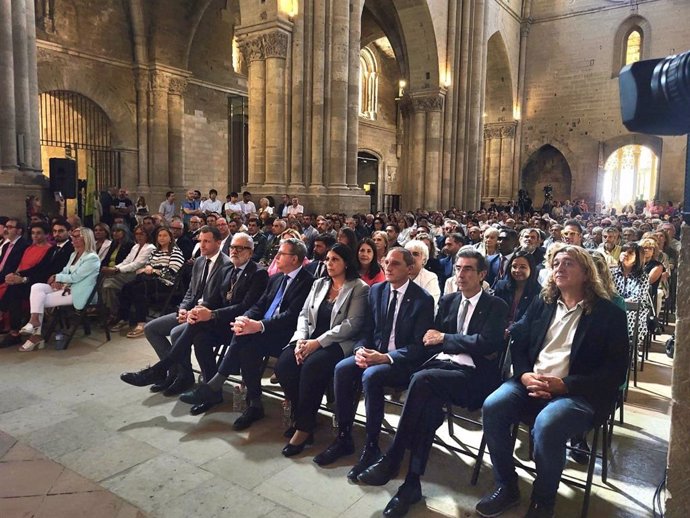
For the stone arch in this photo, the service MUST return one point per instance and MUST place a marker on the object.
(650, 141)
(105, 94)
(547, 165)
(498, 104)
(410, 29)
(619, 43)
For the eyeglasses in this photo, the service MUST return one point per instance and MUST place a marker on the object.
(568, 233)
(284, 253)
(238, 248)
(10, 226)
(464, 269)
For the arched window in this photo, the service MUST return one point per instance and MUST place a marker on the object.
(631, 172)
(368, 84)
(633, 46)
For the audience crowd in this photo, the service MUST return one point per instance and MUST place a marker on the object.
(423, 300)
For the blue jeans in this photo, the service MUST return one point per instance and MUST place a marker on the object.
(556, 421)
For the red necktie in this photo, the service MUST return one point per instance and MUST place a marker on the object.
(8, 249)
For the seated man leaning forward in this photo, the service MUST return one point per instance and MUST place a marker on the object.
(570, 355)
(466, 342)
(264, 329)
(391, 349)
(173, 375)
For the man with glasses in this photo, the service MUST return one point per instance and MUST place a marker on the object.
(13, 247)
(175, 375)
(273, 243)
(572, 233)
(465, 345)
(258, 237)
(182, 239)
(498, 263)
(263, 330)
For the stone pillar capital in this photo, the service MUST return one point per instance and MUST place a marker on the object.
(498, 130)
(160, 81)
(275, 44)
(252, 48)
(177, 86)
(427, 102)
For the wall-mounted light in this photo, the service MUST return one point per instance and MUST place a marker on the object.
(289, 7)
(447, 79)
(401, 87)
(236, 56)
(516, 112)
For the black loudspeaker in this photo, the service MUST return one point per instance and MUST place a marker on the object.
(63, 177)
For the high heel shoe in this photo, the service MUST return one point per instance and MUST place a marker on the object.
(295, 449)
(29, 329)
(29, 346)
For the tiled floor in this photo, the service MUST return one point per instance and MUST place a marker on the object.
(78, 442)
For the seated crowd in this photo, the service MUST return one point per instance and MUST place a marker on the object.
(420, 301)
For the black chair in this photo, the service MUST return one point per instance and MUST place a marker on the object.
(62, 317)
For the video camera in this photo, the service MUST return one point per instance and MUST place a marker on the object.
(655, 99)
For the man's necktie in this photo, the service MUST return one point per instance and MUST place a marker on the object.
(462, 314)
(6, 254)
(202, 282)
(501, 266)
(277, 299)
(390, 319)
(320, 270)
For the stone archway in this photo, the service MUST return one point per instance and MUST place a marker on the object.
(499, 124)
(547, 166)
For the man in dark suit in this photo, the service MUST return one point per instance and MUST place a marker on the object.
(570, 355)
(263, 330)
(453, 243)
(498, 263)
(391, 349)
(322, 243)
(254, 230)
(466, 342)
(12, 247)
(168, 376)
(530, 241)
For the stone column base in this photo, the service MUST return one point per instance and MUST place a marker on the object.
(15, 186)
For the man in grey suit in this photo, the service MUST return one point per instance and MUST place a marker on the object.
(207, 273)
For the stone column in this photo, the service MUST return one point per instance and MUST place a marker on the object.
(8, 131)
(415, 192)
(141, 79)
(159, 177)
(432, 166)
(356, 7)
(677, 494)
(176, 89)
(521, 94)
(34, 145)
(253, 51)
(339, 62)
(275, 49)
(298, 99)
(498, 168)
(21, 83)
(319, 64)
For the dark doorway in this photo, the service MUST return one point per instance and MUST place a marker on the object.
(368, 176)
(547, 166)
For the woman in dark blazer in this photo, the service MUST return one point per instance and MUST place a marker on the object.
(327, 329)
(520, 287)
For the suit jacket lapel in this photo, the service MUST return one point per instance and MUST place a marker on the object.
(340, 300)
(478, 314)
(546, 318)
(452, 317)
(580, 332)
(319, 296)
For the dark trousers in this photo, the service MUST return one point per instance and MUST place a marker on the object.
(305, 384)
(440, 382)
(133, 294)
(246, 353)
(206, 342)
(16, 303)
(374, 379)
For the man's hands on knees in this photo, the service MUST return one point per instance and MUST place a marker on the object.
(246, 326)
(542, 386)
(368, 357)
(181, 316)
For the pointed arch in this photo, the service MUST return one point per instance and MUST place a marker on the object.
(634, 23)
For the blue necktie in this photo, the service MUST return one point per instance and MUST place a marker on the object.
(277, 299)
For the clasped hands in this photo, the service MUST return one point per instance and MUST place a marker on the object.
(304, 348)
(368, 357)
(542, 386)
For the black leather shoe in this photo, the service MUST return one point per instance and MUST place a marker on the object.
(581, 454)
(380, 473)
(201, 395)
(182, 383)
(160, 387)
(502, 499)
(147, 376)
(341, 447)
(250, 415)
(407, 495)
(537, 510)
(203, 408)
(295, 449)
(369, 456)
(289, 432)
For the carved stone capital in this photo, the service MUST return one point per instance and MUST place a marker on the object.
(526, 25)
(160, 81)
(275, 44)
(499, 130)
(252, 48)
(428, 103)
(178, 86)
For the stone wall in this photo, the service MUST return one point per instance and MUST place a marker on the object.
(572, 97)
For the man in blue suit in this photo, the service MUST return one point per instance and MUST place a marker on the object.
(466, 343)
(390, 349)
(498, 263)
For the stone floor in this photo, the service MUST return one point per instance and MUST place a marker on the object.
(87, 441)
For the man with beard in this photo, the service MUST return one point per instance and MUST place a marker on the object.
(322, 244)
(530, 241)
(610, 247)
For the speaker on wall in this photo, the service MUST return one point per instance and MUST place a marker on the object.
(63, 177)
